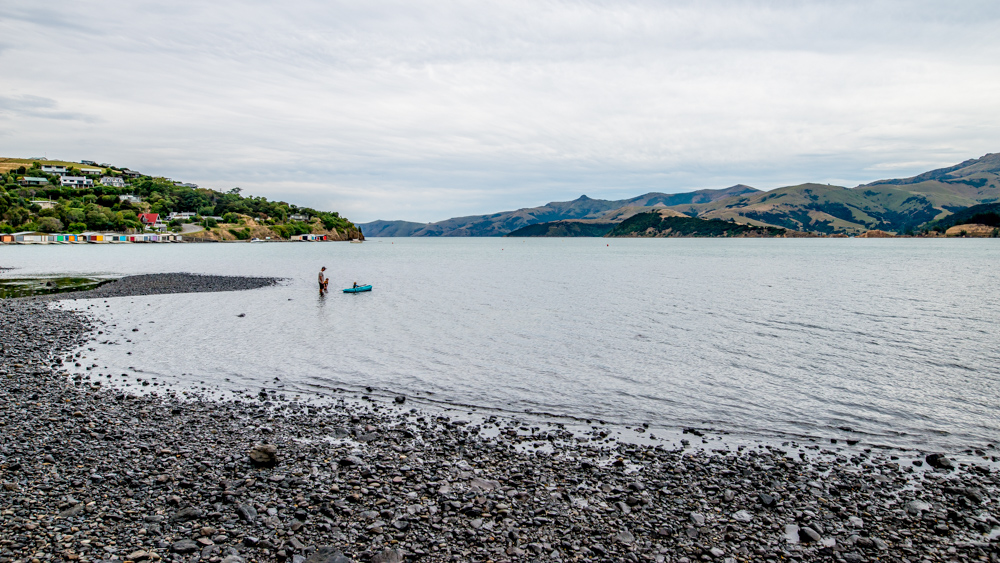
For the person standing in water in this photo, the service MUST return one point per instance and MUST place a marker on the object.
(322, 280)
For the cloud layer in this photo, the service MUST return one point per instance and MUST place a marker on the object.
(427, 110)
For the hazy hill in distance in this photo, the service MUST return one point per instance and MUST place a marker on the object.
(499, 224)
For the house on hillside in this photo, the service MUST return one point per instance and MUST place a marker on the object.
(131, 173)
(52, 169)
(91, 171)
(88, 162)
(129, 197)
(33, 181)
(75, 181)
(298, 217)
(183, 216)
(152, 221)
(44, 203)
(113, 181)
(185, 185)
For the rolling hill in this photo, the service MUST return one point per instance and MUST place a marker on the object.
(900, 206)
(499, 224)
(665, 224)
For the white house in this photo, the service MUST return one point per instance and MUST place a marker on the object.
(181, 216)
(298, 217)
(44, 203)
(76, 181)
(33, 181)
(129, 197)
(113, 181)
(51, 169)
(91, 171)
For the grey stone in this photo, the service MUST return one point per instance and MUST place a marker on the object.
(184, 546)
(264, 455)
(742, 516)
(186, 514)
(71, 511)
(625, 537)
(809, 535)
(247, 513)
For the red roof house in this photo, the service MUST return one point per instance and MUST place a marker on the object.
(149, 218)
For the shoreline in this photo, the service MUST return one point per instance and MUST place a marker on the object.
(90, 473)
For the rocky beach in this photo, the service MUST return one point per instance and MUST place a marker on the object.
(92, 471)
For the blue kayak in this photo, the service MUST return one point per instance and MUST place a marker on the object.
(358, 289)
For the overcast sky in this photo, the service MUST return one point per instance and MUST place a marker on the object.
(427, 110)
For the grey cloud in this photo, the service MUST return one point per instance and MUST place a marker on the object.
(39, 107)
(424, 110)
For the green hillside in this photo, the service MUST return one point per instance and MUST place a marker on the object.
(983, 214)
(902, 206)
(53, 208)
(565, 229)
(824, 209)
(654, 224)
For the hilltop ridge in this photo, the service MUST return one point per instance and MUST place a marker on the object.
(904, 205)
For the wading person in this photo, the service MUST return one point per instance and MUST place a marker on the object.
(322, 280)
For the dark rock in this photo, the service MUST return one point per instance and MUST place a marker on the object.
(185, 546)
(71, 511)
(939, 461)
(264, 455)
(247, 513)
(186, 514)
(351, 461)
(808, 535)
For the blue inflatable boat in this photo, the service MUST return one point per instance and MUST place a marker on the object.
(358, 289)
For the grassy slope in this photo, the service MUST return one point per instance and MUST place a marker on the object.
(565, 229)
(893, 205)
(7, 164)
(656, 224)
(986, 214)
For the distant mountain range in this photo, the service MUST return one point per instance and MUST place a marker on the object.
(898, 205)
(499, 224)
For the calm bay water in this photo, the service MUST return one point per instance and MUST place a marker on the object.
(895, 339)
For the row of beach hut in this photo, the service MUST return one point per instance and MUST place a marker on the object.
(32, 237)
